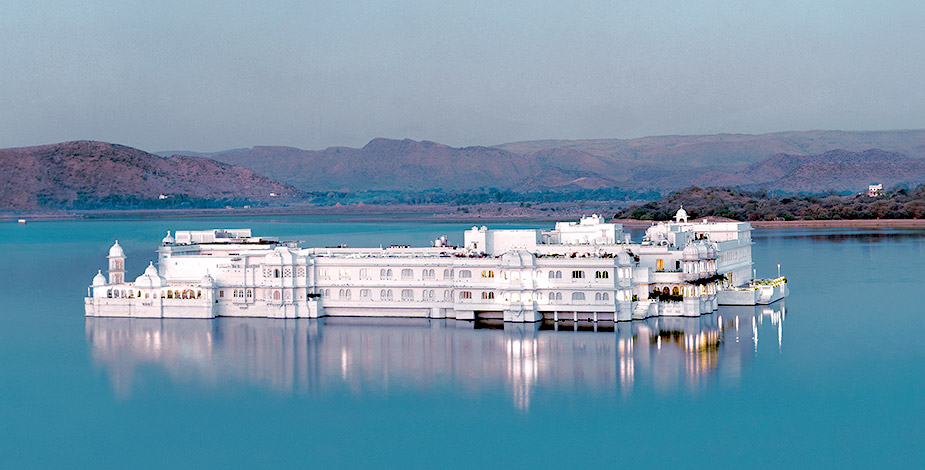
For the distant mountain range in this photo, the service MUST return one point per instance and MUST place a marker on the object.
(662, 163)
(96, 174)
(92, 174)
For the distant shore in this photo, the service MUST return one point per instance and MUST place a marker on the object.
(495, 212)
(778, 224)
(505, 212)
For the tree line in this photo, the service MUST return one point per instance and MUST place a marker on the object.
(743, 205)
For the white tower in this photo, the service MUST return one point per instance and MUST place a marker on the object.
(681, 215)
(116, 264)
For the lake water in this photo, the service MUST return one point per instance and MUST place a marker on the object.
(835, 376)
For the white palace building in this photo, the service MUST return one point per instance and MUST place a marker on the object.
(589, 270)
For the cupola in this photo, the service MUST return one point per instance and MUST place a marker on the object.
(116, 251)
(99, 279)
(681, 215)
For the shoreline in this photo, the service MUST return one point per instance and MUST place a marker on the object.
(496, 212)
(493, 212)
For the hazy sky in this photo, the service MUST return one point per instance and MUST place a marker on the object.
(198, 75)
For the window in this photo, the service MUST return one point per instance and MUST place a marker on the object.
(407, 274)
(578, 296)
(602, 275)
(448, 274)
(578, 274)
(465, 274)
(446, 295)
(602, 296)
(488, 274)
(221, 293)
(343, 294)
(429, 294)
(276, 273)
(429, 274)
(465, 295)
(364, 293)
(555, 296)
(276, 295)
(385, 294)
(385, 274)
(364, 273)
(344, 274)
(407, 295)
(488, 295)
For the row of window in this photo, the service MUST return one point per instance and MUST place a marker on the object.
(277, 273)
(431, 274)
(170, 294)
(578, 274)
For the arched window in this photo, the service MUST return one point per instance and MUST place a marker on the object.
(605, 296)
(578, 296)
(666, 290)
(552, 274)
(276, 273)
(602, 275)
(488, 295)
(578, 274)
(464, 295)
(407, 295)
(558, 274)
(407, 274)
(276, 295)
(465, 274)
(597, 296)
(675, 291)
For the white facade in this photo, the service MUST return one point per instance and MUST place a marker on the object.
(577, 271)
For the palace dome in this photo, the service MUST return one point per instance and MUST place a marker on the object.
(150, 278)
(99, 279)
(168, 239)
(207, 281)
(116, 251)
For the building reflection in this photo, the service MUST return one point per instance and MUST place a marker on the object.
(370, 356)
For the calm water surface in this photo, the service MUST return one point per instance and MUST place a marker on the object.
(835, 376)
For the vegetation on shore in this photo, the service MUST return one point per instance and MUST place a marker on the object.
(737, 204)
(478, 196)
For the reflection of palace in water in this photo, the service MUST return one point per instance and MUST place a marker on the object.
(376, 355)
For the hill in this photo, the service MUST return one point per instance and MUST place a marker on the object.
(738, 204)
(86, 174)
(837, 170)
(662, 163)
